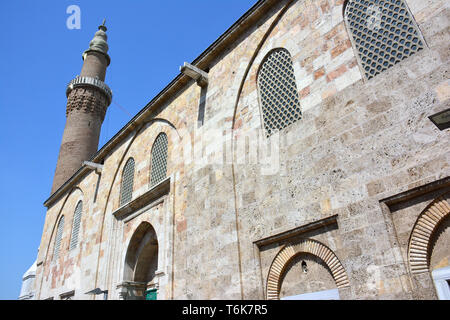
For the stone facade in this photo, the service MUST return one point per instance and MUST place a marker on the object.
(333, 207)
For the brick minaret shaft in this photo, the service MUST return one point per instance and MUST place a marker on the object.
(88, 97)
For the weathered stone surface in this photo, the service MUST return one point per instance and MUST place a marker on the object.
(357, 144)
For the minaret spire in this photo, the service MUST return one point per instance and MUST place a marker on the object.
(88, 98)
(99, 42)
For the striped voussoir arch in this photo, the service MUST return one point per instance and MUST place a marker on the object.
(287, 253)
(425, 226)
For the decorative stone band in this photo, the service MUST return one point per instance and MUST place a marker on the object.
(424, 228)
(287, 253)
(91, 82)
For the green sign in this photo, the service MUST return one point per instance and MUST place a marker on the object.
(150, 294)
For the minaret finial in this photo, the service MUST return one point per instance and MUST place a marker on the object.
(103, 27)
(99, 42)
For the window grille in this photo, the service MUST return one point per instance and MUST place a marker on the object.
(159, 160)
(384, 33)
(76, 225)
(126, 192)
(278, 91)
(59, 232)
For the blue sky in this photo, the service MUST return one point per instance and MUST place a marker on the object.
(148, 41)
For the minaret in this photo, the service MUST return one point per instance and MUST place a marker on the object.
(88, 97)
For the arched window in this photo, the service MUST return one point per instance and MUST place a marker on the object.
(159, 160)
(383, 33)
(278, 91)
(59, 232)
(126, 190)
(76, 225)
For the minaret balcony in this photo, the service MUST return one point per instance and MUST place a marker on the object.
(90, 82)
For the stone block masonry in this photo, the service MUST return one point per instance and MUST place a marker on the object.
(363, 155)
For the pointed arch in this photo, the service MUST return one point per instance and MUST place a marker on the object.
(126, 188)
(421, 236)
(237, 94)
(288, 252)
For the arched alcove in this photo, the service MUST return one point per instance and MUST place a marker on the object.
(285, 256)
(439, 260)
(141, 260)
(305, 273)
(440, 246)
(425, 231)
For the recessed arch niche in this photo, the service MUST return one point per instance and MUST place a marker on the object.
(141, 260)
(309, 247)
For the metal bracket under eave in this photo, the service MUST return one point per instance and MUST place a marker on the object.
(195, 73)
(94, 166)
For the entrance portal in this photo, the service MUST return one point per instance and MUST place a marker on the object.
(141, 263)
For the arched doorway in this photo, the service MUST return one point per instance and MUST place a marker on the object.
(141, 264)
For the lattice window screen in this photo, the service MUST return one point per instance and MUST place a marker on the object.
(278, 91)
(76, 225)
(384, 33)
(126, 190)
(59, 232)
(159, 160)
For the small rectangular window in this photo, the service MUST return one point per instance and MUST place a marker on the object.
(201, 107)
